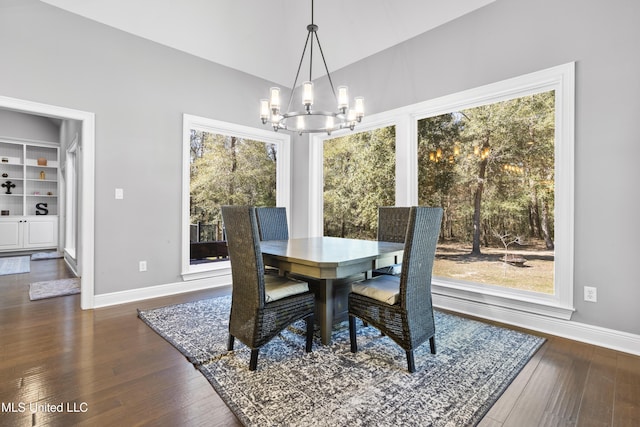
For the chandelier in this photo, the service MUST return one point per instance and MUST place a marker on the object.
(309, 120)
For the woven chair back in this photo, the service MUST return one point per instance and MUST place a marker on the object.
(392, 223)
(419, 255)
(272, 223)
(247, 266)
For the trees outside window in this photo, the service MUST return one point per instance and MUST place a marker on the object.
(499, 159)
(491, 168)
(227, 170)
(226, 164)
(359, 176)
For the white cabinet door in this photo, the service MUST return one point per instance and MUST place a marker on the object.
(41, 231)
(10, 234)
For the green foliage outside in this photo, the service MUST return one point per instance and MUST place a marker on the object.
(226, 170)
(491, 168)
(359, 176)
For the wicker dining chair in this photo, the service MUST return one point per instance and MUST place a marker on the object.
(261, 305)
(392, 227)
(401, 307)
(272, 223)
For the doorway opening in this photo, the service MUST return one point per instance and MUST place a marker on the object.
(85, 178)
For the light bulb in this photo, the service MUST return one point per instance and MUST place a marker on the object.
(264, 110)
(330, 122)
(307, 94)
(275, 99)
(343, 98)
(359, 107)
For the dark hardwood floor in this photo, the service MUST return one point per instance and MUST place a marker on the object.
(113, 370)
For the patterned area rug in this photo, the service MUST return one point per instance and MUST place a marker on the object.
(54, 288)
(14, 265)
(331, 386)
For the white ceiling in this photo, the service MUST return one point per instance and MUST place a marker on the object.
(265, 38)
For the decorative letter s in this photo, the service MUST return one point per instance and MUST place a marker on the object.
(42, 209)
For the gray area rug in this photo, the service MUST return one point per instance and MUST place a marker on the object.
(54, 288)
(14, 265)
(45, 255)
(331, 386)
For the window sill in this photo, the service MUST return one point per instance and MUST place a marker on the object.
(461, 294)
(203, 271)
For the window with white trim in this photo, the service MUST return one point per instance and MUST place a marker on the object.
(491, 169)
(225, 164)
(558, 85)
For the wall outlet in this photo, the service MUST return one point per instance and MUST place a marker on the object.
(590, 294)
(143, 265)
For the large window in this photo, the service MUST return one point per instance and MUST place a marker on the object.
(226, 170)
(491, 169)
(226, 164)
(499, 160)
(359, 176)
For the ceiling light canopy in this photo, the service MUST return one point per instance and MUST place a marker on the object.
(309, 120)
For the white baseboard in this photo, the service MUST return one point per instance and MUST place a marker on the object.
(596, 335)
(132, 295)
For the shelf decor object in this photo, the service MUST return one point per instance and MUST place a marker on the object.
(41, 209)
(8, 185)
(42, 161)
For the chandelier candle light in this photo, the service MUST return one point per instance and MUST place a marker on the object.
(310, 120)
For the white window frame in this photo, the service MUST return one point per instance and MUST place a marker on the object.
(465, 296)
(283, 181)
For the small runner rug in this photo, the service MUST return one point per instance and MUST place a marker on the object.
(474, 364)
(45, 255)
(14, 265)
(54, 288)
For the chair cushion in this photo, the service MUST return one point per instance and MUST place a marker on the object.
(384, 288)
(278, 287)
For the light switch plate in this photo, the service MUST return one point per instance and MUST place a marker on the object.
(119, 193)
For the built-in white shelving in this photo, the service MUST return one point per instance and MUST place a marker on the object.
(29, 192)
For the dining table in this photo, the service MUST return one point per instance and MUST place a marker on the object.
(331, 264)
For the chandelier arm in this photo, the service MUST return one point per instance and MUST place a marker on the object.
(326, 68)
(295, 81)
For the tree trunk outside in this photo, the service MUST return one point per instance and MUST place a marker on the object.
(477, 204)
(545, 226)
(234, 167)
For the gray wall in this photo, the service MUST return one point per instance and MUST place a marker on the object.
(28, 126)
(139, 91)
(513, 37)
